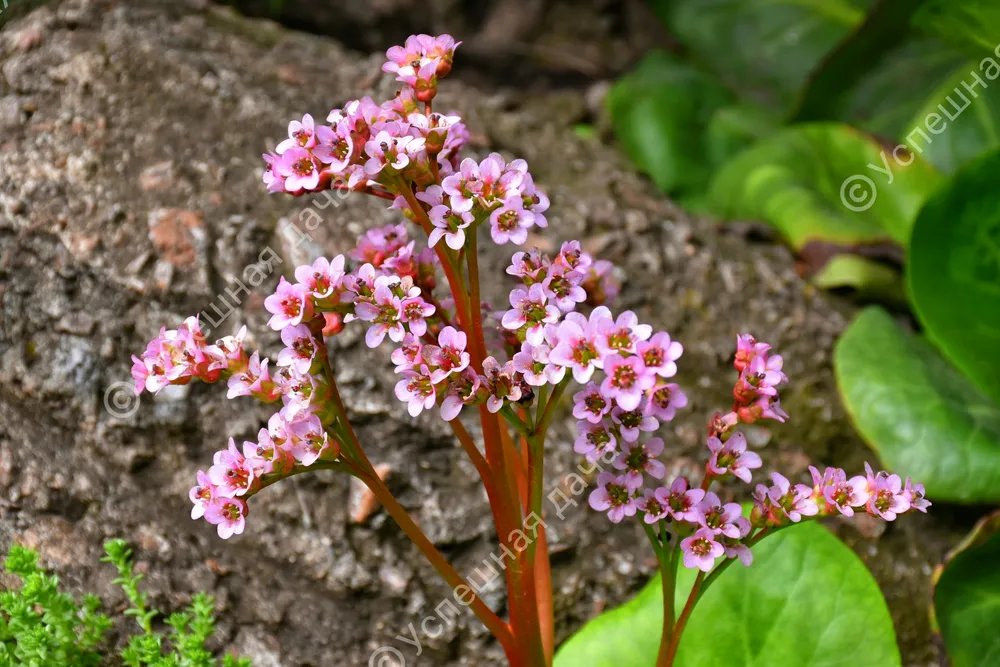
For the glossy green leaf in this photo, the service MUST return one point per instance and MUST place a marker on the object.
(967, 598)
(765, 49)
(923, 417)
(953, 272)
(973, 25)
(807, 601)
(802, 180)
(869, 279)
(975, 129)
(660, 112)
(887, 101)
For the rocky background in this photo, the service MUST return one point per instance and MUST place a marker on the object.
(130, 197)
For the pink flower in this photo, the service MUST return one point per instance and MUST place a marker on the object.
(462, 390)
(296, 390)
(794, 502)
(701, 550)
(562, 286)
(511, 222)
(231, 474)
(300, 348)
(639, 458)
(408, 352)
(528, 265)
(254, 381)
(632, 422)
(464, 186)
(299, 169)
(589, 404)
(625, 380)
(500, 383)
(720, 519)
(594, 440)
(300, 135)
(886, 497)
(732, 457)
(734, 547)
(309, 441)
(532, 362)
(573, 258)
(391, 148)
(614, 496)
(322, 277)
(228, 515)
(620, 335)
(448, 356)
(747, 348)
(659, 354)
(335, 148)
(290, 305)
(839, 492)
(530, 309)
(414, 311)
(202, 495)
(416, 389)
(680, 501)
(651, 506)
(664, 400)
(384, 314)
(274, 181)
(575, 348)
(266, 456)
(449, 225)
(914, 494)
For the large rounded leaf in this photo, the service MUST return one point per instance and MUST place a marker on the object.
(813, 183)
(807, 601)
(954, 272)
(765, 50)
(973, 25)
(975, 129)
(967, 598)
(660, 112)
(922, 416)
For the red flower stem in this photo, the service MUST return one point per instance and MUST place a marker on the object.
(669, 652)
(367, 474)
(506, 508)
(521, 580)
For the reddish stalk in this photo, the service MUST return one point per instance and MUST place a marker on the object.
(667, 659)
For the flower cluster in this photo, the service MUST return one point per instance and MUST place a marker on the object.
(557, 329)
(709, 529)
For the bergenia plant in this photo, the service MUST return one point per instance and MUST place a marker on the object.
(456, 355)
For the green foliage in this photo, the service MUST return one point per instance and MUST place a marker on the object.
(660, 112)
(972, 25)
(794, 180)
(921, 415)
(954, 272)
(806, 601)
(43, 627)
(967, 597)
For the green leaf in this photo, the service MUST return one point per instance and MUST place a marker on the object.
(660, 112)
(799, 180)
(975, 130)
(763, 48)
(954, 272)
(921, 415)
(869, 280)
(807, 601)
(967, 598)
(973, 25)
